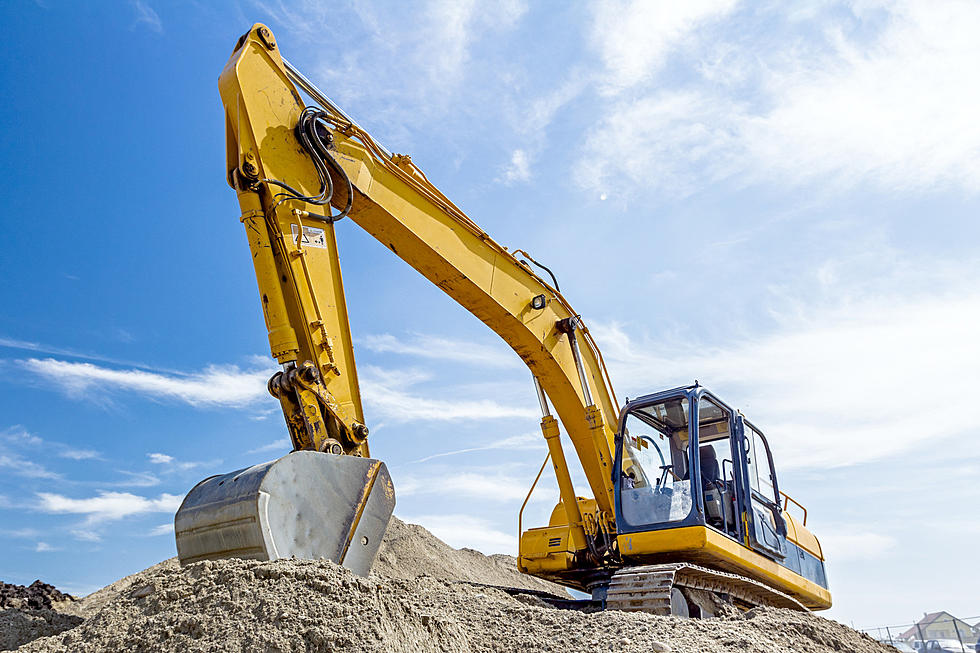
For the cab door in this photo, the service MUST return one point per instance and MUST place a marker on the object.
(762, 516)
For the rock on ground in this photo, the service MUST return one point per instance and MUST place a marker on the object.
(18, 626)
(35, 596)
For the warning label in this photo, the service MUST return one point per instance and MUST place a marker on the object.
(312, 236)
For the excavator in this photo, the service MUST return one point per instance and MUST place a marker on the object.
(685, 515)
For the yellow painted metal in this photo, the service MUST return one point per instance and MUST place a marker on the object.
(801, 536)
(702, 544)
(296, 263)
(569, 504)
(546, 552)
(397, 205)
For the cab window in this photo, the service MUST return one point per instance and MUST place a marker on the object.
(654, 484)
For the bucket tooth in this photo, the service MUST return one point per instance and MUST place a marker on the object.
(306, 504)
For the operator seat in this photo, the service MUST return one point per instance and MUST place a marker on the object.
(709, 465)
(710, 473)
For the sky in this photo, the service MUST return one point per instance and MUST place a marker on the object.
(778, 200)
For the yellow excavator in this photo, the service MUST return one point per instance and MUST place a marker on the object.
(686, 513)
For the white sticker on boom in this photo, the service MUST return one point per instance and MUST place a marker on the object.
(312, 236)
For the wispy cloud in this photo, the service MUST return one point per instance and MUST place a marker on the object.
(107, 506)
(493, 486)
(283, 445)
(78, 454)
(86, 535)
(21, 532)
(146, 15)
(833, 375)
(519, 168)
(171, 464)
(383, 391)
(634, 38)
(41, 348)
(216, 385)
(467, 531)
(20, 466)
(137, 479)
(871, 97)
(18, 436)
(849, 546)
(439, 348)
(527, 441)
(44, 547)
(162, 529)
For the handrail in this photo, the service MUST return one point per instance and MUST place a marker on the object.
(520, 515)
(788, 498)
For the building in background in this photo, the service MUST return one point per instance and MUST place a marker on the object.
(941, 625)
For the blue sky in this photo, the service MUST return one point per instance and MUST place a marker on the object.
(780, 202)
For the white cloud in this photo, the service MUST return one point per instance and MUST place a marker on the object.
(837, 106)
(519, 169)
(841, 547)
(172, 464)
(137, 479)
(146, 15)
(108, 506)
(832, 385)
(21, 532)
(438, 348)
(162, 529)
(42, 547)
(86, 535)
(214, 386)
(527, 441)
(426, 63)
(493, 486)
(634, 37)
(461, 531)
(77, 454)
(383, 391)
(20, 466)
(20, 437)
(284, 445)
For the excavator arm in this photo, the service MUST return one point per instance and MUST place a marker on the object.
(280, 155)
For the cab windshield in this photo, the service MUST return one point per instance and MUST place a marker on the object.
(654, 481)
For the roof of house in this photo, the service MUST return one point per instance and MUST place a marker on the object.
(930, 618)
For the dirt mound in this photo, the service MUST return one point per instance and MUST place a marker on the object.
(409, 551)
(27, 613)
(315, 605)
(20, 626)
(87, 606)
(423, 595)
(35, 596)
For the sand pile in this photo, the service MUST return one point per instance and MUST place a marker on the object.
(408, 551)
(421, 597)
(315, 605)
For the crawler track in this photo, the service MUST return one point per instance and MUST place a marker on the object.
(648, 588)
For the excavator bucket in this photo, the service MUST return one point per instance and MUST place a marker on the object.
(306, 504)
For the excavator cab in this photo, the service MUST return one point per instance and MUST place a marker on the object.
(697, 483)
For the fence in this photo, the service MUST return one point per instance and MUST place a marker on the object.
(942, 634)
